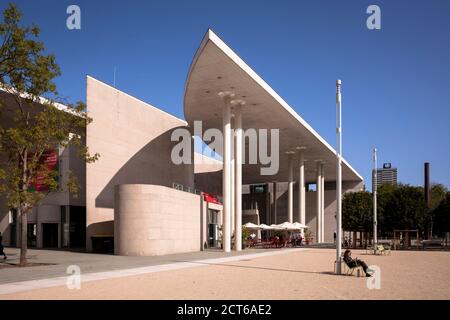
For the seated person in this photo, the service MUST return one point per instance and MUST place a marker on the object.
(352, 263)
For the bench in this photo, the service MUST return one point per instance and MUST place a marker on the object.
(379, 249)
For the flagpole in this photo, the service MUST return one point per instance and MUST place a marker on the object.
(338, 177)
(374, 191)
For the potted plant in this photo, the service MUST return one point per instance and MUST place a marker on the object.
(245, 236)
(308, 237)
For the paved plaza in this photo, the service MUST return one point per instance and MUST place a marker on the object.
(254, 274)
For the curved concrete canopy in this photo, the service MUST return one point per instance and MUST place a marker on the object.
(217, 68)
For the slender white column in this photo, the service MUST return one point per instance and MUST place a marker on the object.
(226, 173)
(238, 177)
(319, 205)
(232, 191)
(290, 188)
(322, 202)
(275, 204)
(338, 177)
(301, 192)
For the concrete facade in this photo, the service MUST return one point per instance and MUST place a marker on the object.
(134, 141)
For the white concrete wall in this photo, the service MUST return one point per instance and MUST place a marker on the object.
(133, 140)
(208, 174)
(155, 220)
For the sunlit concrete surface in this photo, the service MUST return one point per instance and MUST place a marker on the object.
(290, 275)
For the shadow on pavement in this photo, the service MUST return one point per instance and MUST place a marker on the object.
(260, 268)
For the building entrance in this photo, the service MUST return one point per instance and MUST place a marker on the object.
(32, 235)
(50, 235)
(213, 229)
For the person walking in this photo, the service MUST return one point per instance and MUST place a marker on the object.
(1, 248)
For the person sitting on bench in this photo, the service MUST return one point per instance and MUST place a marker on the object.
(353, 263)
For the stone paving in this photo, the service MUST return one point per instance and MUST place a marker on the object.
(89, 262)
(285, 274)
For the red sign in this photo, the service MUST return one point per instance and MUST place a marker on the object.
(50, 159)
(210, 198)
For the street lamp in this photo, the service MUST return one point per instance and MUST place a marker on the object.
(338, 176)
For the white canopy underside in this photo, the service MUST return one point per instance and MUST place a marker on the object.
(217, 68)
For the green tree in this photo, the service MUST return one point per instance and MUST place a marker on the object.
(386, 193)
(438, 194)
(35, 122)
(403, 207)
(357, 211)
(441, 216)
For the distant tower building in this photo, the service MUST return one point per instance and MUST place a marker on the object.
(386, 175)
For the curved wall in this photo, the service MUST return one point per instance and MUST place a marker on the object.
(155, 220)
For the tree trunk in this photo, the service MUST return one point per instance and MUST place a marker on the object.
(23, 213)
(354, 240)
(23, 237)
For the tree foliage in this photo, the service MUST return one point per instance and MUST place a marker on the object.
(398, 207)
(441, 215)
(404, 208)
(36, 121)
(357, 211)
(438, 194)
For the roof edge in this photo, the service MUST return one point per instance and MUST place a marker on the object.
(211, 36)
(132, 97)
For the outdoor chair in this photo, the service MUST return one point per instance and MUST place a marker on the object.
(369, 249)
(379, 249)
(349, 270)
(387, 249)
(273, 243)
(383, 249)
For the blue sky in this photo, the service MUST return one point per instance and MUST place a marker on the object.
(396, 81)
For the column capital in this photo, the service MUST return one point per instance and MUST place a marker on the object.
(239, 102)
(226, 94)
(301, 152)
